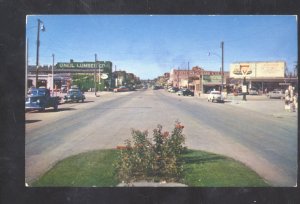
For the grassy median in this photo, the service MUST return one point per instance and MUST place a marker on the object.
(96, 169)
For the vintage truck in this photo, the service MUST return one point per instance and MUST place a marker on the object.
(40, 99)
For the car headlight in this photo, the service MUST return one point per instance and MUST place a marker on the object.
(38, 101)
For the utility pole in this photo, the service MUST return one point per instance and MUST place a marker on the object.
(37, 54)
(222, 70)
(37, 50)
(178, 78)
(52, 75)
(188, 85)
(95, 75)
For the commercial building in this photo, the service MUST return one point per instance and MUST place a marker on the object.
(197, 79)
(262, 76)
(87, 75)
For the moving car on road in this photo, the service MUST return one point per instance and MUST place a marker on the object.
(215, 96)
(74, 95)
(40, 99)
(121, 89)
(185, 92)
(276, 94)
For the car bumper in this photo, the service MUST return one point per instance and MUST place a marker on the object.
(33, 107)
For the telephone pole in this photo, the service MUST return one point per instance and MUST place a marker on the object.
(222, 70)
(188, 81)
(95, 75)
(37, 50)
(52, 75)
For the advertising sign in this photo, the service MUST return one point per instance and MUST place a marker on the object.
(90, 65)
(104, 76)
(212, 79)
(257, 69)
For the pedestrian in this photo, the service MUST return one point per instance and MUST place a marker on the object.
(287, 100)
(296, 101)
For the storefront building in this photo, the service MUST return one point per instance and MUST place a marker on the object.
(198, 79)
(87, 75)
(262, 76)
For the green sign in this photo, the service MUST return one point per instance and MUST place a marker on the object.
(212, 79)
(90, 65)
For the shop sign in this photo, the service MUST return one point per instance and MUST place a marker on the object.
(92, 65)
(212, 79)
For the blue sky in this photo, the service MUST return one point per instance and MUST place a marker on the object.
(150, 45)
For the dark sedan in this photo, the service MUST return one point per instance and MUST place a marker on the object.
(185, 92)
(74, 95)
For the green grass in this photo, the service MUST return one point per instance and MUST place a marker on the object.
(96, 168)
(83, 170)
(212, 170)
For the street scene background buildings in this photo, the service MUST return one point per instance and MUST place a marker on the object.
(145, 52)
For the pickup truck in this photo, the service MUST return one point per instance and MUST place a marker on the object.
(40, 99)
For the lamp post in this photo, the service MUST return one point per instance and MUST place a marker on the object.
(42, 28)
(222, 63)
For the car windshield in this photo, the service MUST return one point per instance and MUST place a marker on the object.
(73, 92)
(38, 92)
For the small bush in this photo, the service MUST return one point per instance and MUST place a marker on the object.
(159, 161)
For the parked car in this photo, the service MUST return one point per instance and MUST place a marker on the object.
(121, 89)
(63, 89)
(40, 99)
(253, 92)
(173, 89)
(74, 95)
(215, 96)
(276, 94)
(185, 92)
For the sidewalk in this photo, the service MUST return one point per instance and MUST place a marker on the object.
(259, 103)
(262, 104)
(87, 94)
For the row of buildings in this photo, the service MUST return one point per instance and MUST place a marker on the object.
(262, 76)
(88, 76)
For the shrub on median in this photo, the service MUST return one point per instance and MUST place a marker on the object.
(159, 160)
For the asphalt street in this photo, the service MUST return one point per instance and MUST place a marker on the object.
(263, 140)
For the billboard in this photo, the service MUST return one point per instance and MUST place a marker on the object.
(212, 79)
(90, 65)
(257, 69)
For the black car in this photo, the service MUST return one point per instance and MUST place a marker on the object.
(74, 95)
(185, 92)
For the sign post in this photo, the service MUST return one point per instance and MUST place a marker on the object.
(244, 70)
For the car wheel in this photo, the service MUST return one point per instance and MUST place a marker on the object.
(55, 107)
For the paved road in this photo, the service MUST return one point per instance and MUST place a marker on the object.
(262, 141)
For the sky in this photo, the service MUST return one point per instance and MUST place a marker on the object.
(151, 45)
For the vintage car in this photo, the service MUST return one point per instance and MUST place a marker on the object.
(215, 96)
(40, 99)
(121, 89)
(253, 92)
(173, 89)
(74, 95)
(185, 92)
(276, 94)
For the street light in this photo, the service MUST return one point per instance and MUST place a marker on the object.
(42, 28)
(222, 63)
